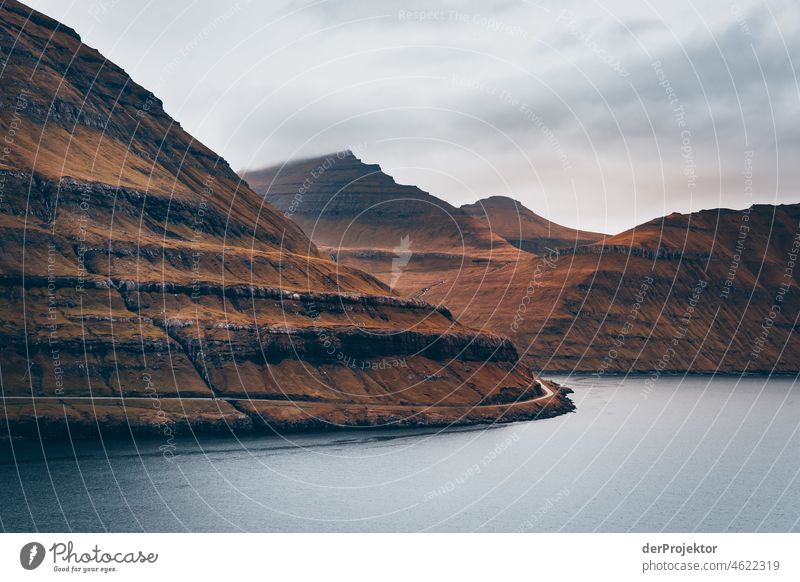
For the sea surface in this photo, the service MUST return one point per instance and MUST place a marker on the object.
(683, 454)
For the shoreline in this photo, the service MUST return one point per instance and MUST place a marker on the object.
(672, 374)
(59, 419)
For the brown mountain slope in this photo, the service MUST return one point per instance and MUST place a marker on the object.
(525, 229)
(574, 307)
(358, 214)
(711, 291)
(135, 269)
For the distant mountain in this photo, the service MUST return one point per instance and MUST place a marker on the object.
(523, 228)
(345, 203)
(358, 214)
(712, 291)
(568, 298)
(138, 270)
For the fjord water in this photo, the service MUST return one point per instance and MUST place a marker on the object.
(682, 454)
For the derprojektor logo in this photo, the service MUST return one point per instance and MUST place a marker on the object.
(31, 555)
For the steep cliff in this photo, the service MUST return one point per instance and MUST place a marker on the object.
(145, 288)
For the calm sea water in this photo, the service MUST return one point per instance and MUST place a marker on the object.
(693, 454)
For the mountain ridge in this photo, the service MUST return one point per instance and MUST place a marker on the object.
(559, 296)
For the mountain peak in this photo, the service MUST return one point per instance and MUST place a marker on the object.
(343, 202)
(525, 229)
(30, 17)
(497, 201)
(320, 177)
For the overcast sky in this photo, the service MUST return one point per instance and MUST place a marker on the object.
(598, 115)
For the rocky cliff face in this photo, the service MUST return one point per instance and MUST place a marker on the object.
(145, 288)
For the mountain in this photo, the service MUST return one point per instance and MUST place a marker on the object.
(137, 269)
(359, 215)
(568, 299)
(711, 291)
(525, 229)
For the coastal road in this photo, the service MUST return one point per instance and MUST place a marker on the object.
(548, 393)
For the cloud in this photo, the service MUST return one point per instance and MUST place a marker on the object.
(556, 103)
